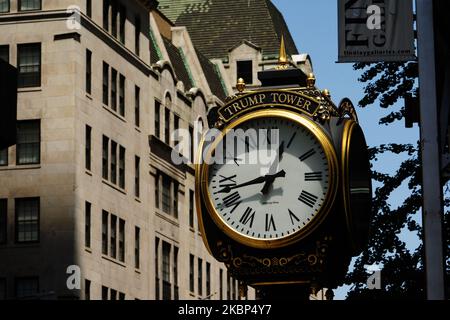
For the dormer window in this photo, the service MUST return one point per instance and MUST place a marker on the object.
(245, 71)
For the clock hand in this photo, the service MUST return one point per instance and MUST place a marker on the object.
(273, 167)
(259, 180)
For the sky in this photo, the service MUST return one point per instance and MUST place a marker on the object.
(313, 25)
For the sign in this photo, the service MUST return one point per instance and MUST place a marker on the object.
(375, 30)
(252, 101)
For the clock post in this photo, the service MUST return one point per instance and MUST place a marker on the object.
(283, 186)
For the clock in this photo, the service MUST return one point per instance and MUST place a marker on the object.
(270, 178)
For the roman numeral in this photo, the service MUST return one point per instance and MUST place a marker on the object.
(313, 176)
(227, 181)
(307, 155)
(292, 140)
(249, 216)
(308, 198)
(233, 200)
(270, 223)
(293, 217)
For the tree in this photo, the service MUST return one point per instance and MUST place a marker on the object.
(403, 270)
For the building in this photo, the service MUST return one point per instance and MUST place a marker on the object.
(243, 35)
(89, 193)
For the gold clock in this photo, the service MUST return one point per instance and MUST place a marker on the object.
(277, 179)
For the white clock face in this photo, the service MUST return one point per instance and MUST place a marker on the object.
(275, 198)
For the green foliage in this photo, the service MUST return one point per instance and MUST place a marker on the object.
(402, 276)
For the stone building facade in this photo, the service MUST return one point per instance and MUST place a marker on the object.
(89, 193)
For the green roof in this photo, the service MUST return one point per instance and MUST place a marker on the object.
(216, 26)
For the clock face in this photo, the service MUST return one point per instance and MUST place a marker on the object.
(273, 182)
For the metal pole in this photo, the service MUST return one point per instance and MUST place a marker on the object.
(431, 163)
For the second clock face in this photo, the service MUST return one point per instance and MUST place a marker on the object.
(274, 180)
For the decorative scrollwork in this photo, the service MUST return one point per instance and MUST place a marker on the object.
(313, 261)
(347, 109)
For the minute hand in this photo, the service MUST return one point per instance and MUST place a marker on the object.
(259, 180)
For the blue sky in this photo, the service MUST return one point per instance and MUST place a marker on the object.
(313, 25)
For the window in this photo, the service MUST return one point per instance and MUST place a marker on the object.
(157, 119)
(104, 293)
(26, 5)
(87, 224)
(167, 126)
(113, 174)
(157, 190)
(113, 237)
(245, 71)
(137, 35)
(191, 273)
(123, 17)
(88, 71)
(4, 50)
(165, 198)
(228, 286)
(208, 280)
(3, 221)
(27, 287)
(122, 167)
(221, 284)
(175, 273)
(175, 199)
(137, 164)
(29, 65)
(166, 272)
(27, 220)
(89, 8)
(121, 240)
(200, 277)
(105, 83)
(4, 157)
(191, 146)
(167, 195)
(114, 14)
(105, 157)
(88, 146)
(2, 289)
(176, 122)
(112, 294)
(122, 95)
(191, 209)
(121, 296)
(114, 89)
(4, 7)
(112, 166)
(28, 142)
(105, 232)
(137, 106)
(137, 247)
(87, 289)
(156, 269)
(106, 14)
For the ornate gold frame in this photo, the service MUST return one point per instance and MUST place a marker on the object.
(204, 195)
(347, 132)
